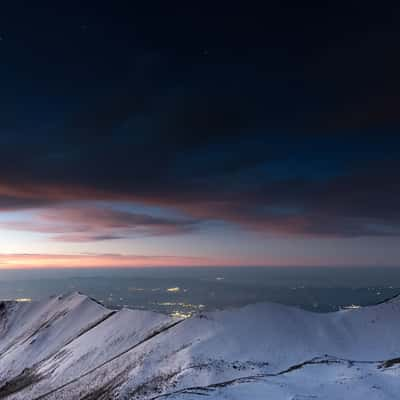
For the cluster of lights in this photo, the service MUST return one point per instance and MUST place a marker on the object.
(174, 289)
(179, 314)
(23, 300)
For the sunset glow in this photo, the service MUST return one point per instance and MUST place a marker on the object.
(30, 261)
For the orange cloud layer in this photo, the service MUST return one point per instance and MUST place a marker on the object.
(14, 261)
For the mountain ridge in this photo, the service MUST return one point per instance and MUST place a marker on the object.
(72, 347)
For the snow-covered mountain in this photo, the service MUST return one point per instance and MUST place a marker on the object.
(71, 347)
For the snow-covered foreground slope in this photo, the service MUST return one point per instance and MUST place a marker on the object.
(71, 347)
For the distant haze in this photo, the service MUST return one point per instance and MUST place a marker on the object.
(191, 290)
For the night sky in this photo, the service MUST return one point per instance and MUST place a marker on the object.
(195, 133)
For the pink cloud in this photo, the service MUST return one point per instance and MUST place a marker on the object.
(93, 223)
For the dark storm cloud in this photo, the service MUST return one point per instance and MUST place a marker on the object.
(280, 120)
(345, 206)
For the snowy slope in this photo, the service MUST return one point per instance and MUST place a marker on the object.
(334, 380)
(33, 332)
(73, 348)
